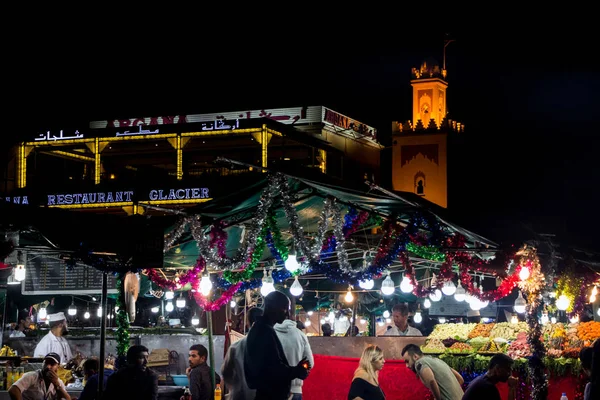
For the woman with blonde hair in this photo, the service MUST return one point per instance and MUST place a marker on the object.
(365, 384)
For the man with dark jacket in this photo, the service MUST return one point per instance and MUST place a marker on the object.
(135, 380)
(90, 371)
(199, 374)
(265, 365)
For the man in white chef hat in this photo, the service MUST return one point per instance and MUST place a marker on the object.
(54, 341)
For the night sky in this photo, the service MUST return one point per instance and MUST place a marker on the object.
(529, 102)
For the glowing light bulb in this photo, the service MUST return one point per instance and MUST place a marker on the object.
(42, 314)
(195, 320)
(363, 321)
(598, 312)
(291, 264)
(205, 285)
(406, 286)
(232, 303)
(449, 288)
(520, 304)
(86, 315)
(154, 309)
(514, 319)
(296, 288)
(72, 310)
(436, 295)
(349, 298)
(387, 286)
(180, 302)
(427, 303)
(442, 320)
(307, 322)
(386, 314)
(169, 306)
(524, 273)
(20, 272)
(169, 295)
(459, 294)
(562, 303)
(574, 319)
(545, 318)
(418, 317)
(99, 312)
(553, 320)
(366, 284)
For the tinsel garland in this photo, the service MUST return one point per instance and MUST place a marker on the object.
(427, 252)
(218, 239)
(215, 305)
(318, 247)
(122, 332)
(244, 253)
(190, 276)
(176, 233)
(288, 201)
(273, 238)
(338, 232)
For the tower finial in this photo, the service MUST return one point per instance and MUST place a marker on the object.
(446, 43)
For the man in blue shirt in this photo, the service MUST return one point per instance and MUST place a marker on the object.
(90, 370)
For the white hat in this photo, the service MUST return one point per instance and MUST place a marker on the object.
(59, 316)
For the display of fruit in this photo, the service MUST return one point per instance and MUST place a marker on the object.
(478, 342)
(481, 330)
(7, 352)
(491, 347)
(508, 330)
(459, 347)
(449, 342)
(434, 346)
(456, 331)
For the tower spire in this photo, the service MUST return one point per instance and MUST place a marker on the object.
(447, 41)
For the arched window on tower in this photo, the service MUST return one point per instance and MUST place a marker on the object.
(420, 183)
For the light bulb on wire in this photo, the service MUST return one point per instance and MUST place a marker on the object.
(296, 288)
(459, 294)
(524, 273)
(406, 285)
(449, 288)
(387, 286)
(349, 298)
(520, 304)
(205, 285)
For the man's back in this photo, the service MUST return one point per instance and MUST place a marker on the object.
(295, 346)
(131, 382)
(450, 389)
(233, 373)
(482, 388)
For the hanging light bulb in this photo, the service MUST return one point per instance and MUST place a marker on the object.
(475, 304)
(545, 318)
(72, 310)
(442, 320)
(436, 295)
(388, 320)
(322, 321)
(42, 314)
(99, 312)
(418, 317)
(553, 320)
(387, 286)
(459, 294)
(406, 286)
(195, 320)
(310, 313)
(574, 319)
(154, 310)
(169, 295)
(524, 273)
(267, 284)
(20, 272)
(367, 284)
(86, 315)
(232, 303)
(307, 322)
(180, 303)
(514, 319)
(296, 288)
(449, 288)
(349, 298)
(169, 306)
(386, 314)
(427, 303)
(291, 263)
(520, 304)
(562, 303)
(205, 285)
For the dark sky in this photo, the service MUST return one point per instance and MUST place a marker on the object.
(529, 101)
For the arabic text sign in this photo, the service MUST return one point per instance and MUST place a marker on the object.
(48, 136)
(337, 119)
(292, 115)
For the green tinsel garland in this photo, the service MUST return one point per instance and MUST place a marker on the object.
(271, 223)
(122, 333)
(246, 274)
(427, 252)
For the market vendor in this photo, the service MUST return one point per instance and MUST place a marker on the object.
(401, 327)
(54, 341)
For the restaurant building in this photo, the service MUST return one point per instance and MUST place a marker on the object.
(177, 160)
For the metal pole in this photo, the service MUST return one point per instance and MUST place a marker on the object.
(211, 349)
(102, 334)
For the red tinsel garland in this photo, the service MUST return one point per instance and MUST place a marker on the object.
(218, 303)
(190, 276)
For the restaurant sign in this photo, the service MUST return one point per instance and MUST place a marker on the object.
(126, 196)
(347, 123)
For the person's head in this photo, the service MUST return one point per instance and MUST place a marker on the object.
(276, 306)
(58, 324)
(137, 356)
(326, 328)
(90, 367)
(253, 315)
(411, 353)
(500, 367)
(197, 355)
(400, 316)
(371, 361)
(585, 357)
(51, 363)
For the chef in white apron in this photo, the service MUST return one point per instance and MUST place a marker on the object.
(54, 341)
